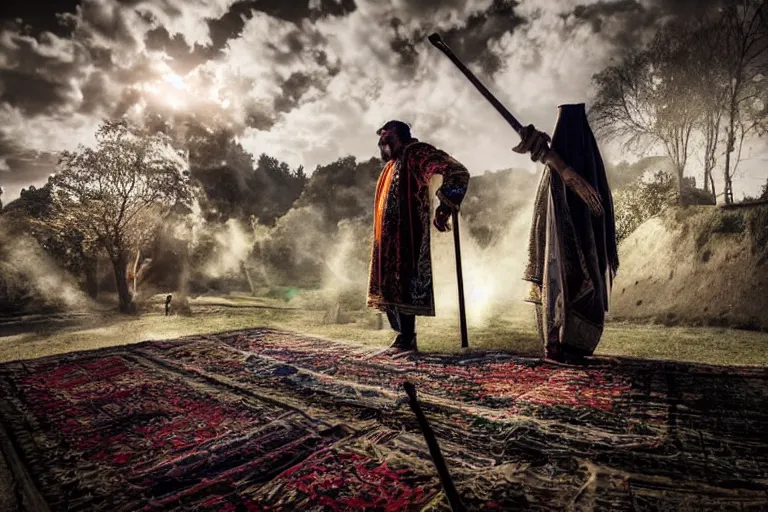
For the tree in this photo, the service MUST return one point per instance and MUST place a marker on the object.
(646, 99)
(117, 194)
(279, 187)
(301, 176)
(763, 195)
(744, 55)
(33, 213)
(342, 189)
(235, 185)
(640, 201)
(706, 38)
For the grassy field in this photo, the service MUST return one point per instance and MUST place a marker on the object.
(514, 333)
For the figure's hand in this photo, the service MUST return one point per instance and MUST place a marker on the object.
(533, 141)
(584, 190)
(442, 218)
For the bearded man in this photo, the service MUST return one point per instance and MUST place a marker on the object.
(400, 278)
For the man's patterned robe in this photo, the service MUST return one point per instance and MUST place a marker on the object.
(401, 263)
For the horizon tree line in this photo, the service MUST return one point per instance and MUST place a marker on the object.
(700, 88)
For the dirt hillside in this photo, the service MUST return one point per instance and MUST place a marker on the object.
(699, 265)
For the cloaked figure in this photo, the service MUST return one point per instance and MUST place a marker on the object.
(168, 299)
(572, 257)
(400, 280)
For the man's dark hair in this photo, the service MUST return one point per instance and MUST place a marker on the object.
(402, 130)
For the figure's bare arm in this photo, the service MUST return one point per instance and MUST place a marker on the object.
(572, 180)
(537, 143)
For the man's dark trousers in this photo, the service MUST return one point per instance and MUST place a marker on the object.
(402, 323)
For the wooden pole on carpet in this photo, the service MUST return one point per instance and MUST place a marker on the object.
(460, 279)
(434, 450)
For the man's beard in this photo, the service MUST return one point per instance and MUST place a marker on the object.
(386, 152)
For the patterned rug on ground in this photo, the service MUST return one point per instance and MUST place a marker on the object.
(262, 420)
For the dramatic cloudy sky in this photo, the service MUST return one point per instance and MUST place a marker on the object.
(304, 81)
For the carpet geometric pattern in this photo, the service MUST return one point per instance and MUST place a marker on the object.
(264, 420)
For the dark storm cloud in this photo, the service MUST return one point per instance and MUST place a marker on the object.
(230, 25)
(258, 117)
(106, 20)
(29, 166)
(293, 89)
(23, 168)
(403, 45)
(128, 98)
(625, 21)
(285, 51)
(469, 40)
(38, 17)
(473, 38)
(300, 10)
(596, 13)
(32, 94)
(406, 49)
(185, 58)
(44, 74)
(45, 53)
(7, 146)
(686, 7)
(260, 64)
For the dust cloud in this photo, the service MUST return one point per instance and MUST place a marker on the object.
(29, 277)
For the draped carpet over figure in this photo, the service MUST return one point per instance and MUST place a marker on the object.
(573, 256)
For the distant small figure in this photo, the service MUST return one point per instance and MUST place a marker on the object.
(168, 303)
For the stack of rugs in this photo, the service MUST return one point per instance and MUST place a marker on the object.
(263, 420)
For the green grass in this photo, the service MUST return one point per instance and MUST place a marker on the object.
(512, 333)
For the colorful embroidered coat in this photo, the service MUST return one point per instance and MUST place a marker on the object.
(401, 263)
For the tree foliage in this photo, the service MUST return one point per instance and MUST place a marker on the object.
(645, 100)
(116, 194)
(343, 189)
(762, 195)
(276, 186)
(700, 80)
(234, 185)
(33, 213)
(743, 37)
(640, 201)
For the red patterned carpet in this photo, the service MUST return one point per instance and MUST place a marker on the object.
(264, 420)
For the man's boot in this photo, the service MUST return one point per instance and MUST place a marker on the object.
(404, 343)
(553, 353)
(573, 355)
(398, 342)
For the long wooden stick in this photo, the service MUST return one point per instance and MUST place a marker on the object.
(434, 450)
(460, 279)
(438, 43)
(550, 158)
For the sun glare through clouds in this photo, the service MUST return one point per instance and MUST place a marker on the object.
(178, 92)
(176, 81)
